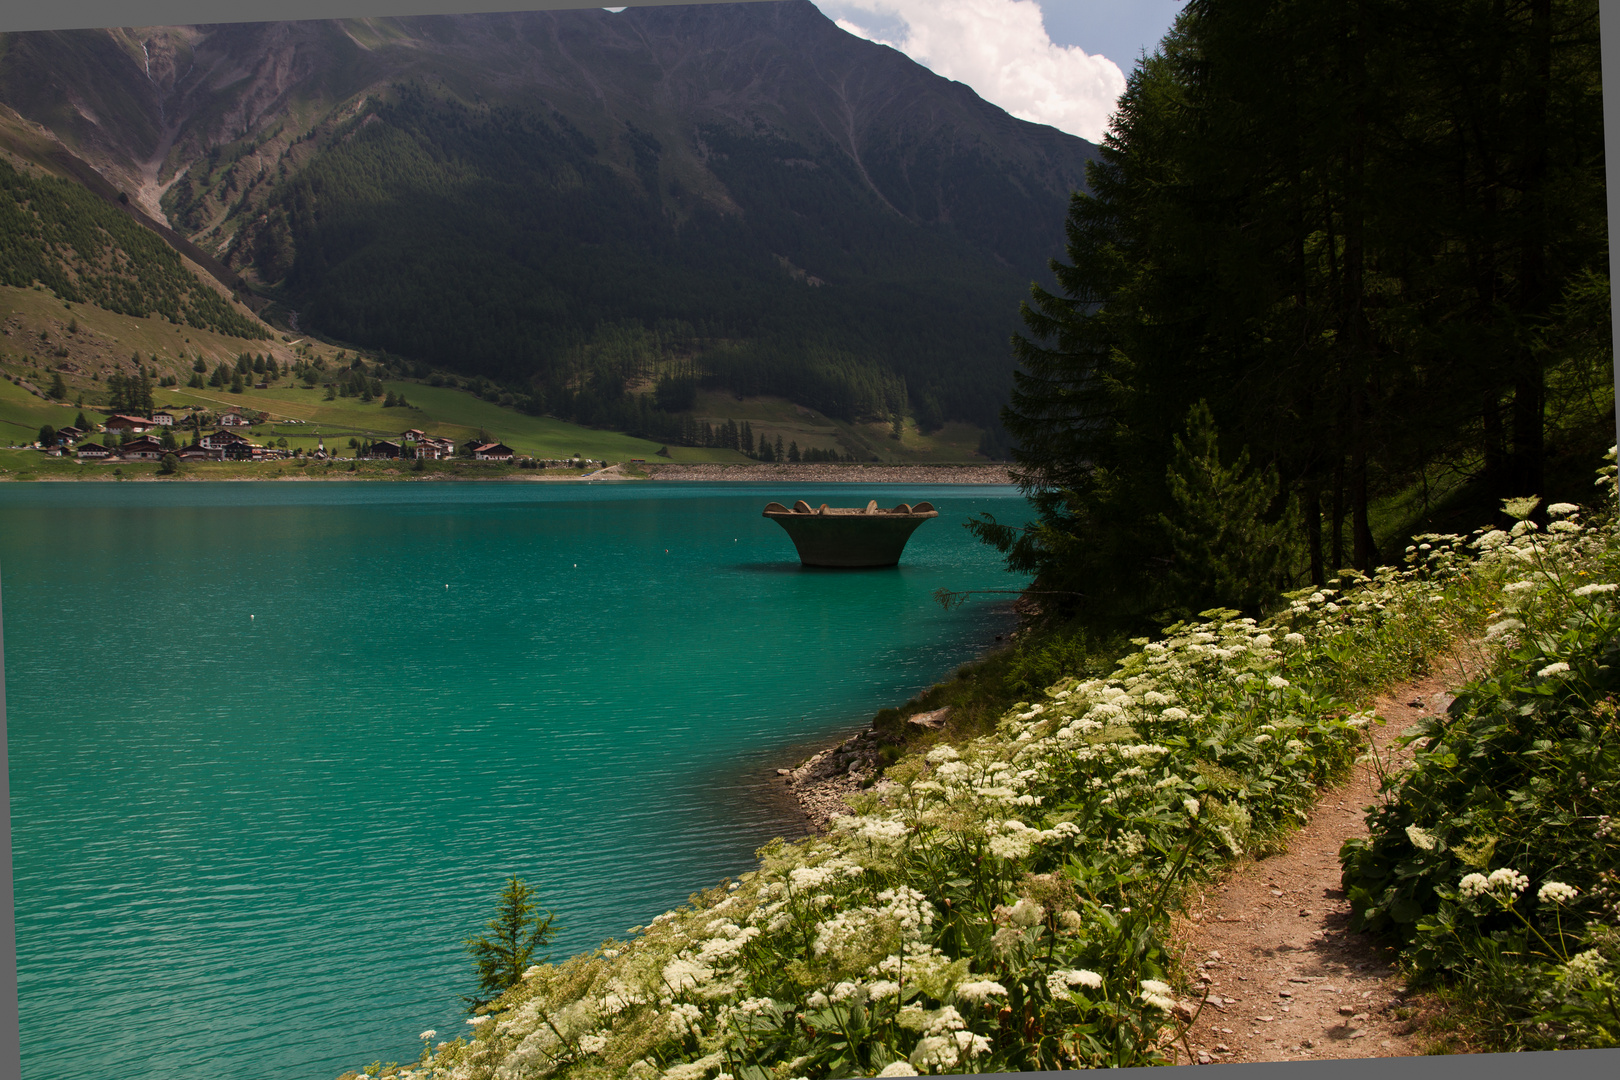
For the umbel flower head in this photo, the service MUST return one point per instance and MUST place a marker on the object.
(1157, 994)
(1556, 892)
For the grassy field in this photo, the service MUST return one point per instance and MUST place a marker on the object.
(23, 464)
(41, 336)
(22, 414)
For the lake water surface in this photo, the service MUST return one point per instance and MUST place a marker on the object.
(275, 747)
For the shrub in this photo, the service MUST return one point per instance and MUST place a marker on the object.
(1493, 858)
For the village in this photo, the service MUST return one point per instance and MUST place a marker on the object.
(152, 438)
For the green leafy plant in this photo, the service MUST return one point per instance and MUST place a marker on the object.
(1516, 786)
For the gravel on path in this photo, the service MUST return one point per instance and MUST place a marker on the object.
(1281, 976)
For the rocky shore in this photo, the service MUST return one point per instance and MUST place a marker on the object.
(826, 473)
(822, 783)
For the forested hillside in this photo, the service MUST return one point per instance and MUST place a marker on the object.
(57, 234)
(498, 243)
(1338, 260)
(781, 207)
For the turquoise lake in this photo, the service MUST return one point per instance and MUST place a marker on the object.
(274, 748)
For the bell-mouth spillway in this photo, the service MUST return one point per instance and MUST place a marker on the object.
(849, 538)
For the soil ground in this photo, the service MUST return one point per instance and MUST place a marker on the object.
(1268, 944)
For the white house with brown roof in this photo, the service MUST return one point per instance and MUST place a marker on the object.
(431, 448)
(221, 440)
(144, 448)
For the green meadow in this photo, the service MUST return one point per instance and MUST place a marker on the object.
(42, 337)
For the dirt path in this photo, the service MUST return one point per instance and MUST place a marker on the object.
(1284, 980)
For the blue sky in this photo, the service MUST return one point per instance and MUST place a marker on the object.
(1058, 62)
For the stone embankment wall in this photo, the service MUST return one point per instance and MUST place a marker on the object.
(827, 473)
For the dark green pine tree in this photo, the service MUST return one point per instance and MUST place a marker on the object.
(117, 394)
(1231, 540)
(58, 390)
(138, 391)
(507, 950)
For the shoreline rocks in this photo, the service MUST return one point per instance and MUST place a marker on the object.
(829, 473)
(822, 783)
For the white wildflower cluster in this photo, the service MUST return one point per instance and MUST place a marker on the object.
(1103, 770)
(1584, 967)
(840, 931)
(811, 878)
(727, 943)
(1509, 880)
(979, 991)
(1556, 892)
(1157, 994)
(907, 907)
(1024, 913)
(1062, 980)
(1504, 881)
(1013, 840)
(1502, 628)
(945, 1040)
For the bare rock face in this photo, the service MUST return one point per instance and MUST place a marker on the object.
(934, 719)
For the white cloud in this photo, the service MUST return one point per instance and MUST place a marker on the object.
(1001, 49)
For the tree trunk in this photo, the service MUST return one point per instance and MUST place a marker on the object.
(1338, 515)
(1529, 380)
(1313, 531)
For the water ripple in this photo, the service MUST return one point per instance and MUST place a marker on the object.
(256, 844)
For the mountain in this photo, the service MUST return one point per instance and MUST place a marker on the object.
(572, 203)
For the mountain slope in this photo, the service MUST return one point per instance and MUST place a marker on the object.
(787, 208)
